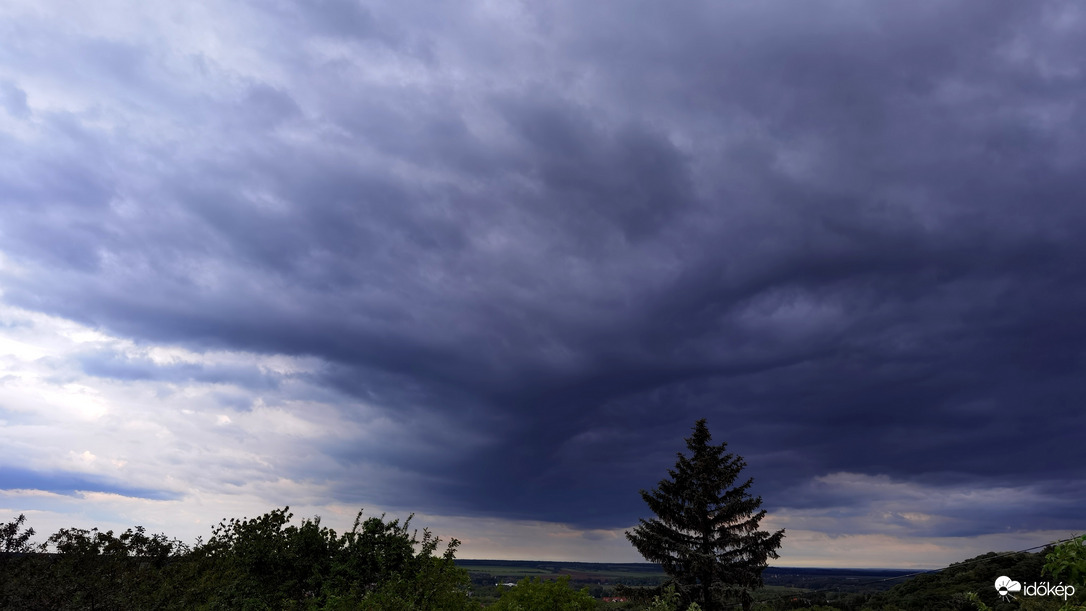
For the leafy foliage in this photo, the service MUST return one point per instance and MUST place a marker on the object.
(1067, 562)
(11, 540)
(531, 594)
(668, 600)
(260, 563)
(949, 588)
(90, 569)
(705, 534)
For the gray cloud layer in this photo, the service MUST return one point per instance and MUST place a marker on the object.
(846, 234)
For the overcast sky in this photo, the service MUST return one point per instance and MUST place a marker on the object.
(489, 261)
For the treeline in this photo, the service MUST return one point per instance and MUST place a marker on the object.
(970, 584)
(269, 563)
(247, 564)
(263, 563)
(964, 586)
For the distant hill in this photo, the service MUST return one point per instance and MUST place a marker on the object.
(943, 589)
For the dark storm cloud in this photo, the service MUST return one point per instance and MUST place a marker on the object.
(964, 508)
(848, 235)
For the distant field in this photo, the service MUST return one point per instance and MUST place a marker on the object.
(770, 592)
(779, 581)
(497, 569)
(514, 570)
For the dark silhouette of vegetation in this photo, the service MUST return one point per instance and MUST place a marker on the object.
(268, 562)
(247, 564)
(705, 534)
(950, 588)
(11, 540)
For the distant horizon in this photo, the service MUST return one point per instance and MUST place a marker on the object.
(447, 528)
(771, 566)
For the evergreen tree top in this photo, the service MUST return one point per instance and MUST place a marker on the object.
(705, 534)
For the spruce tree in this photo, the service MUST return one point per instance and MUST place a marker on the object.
(705, 534)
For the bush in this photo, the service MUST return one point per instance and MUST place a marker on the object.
(259, 563)
(531, 594)
(1067, 561)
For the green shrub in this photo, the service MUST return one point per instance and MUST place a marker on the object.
(533, 594)
(248, 564)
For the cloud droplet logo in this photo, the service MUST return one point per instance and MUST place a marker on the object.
(1005, 585)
